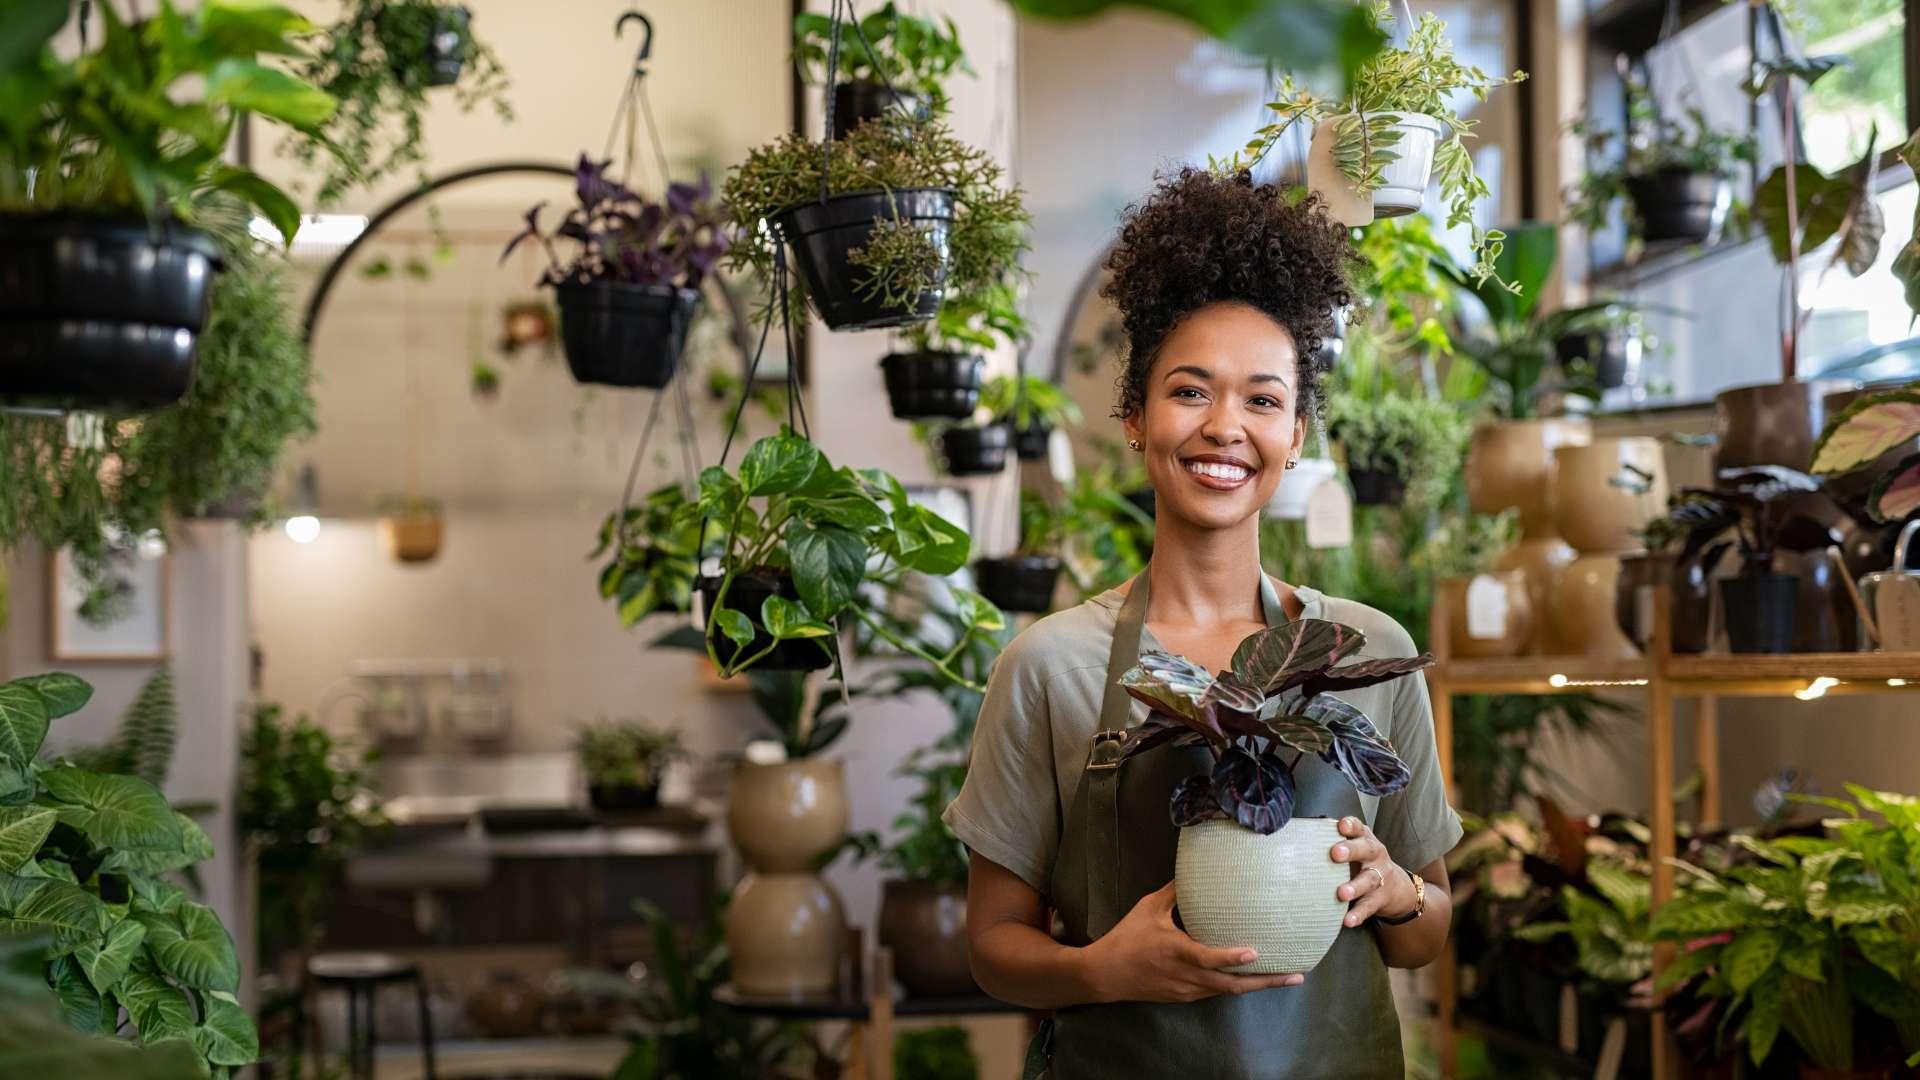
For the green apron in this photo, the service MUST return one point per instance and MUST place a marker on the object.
(1118, 845)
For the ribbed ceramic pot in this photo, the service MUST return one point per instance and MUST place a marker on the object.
(1510, 467)
(1504, 629)
(784, 936)
(1273, 894)
(1606, 492)
(782, 817)
(1773, 423)
(926, 927)
(1584, 607)
(1541, 560)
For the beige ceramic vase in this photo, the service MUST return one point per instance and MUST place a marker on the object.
(1604, 493)
(1510, 467)
(1585, 605)
(1501, 624)
(1540, 562)
(782, 817)
(785, 926)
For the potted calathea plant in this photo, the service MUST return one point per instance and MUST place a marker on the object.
(1026, 580)
(1240, 843)
(882, 224)
(1761, 606)
(628, 292)
(105, 282)
(624, 760)
(1676, 176)
(1032, 408)
(938, 377)
(84, 860)
(894, 61)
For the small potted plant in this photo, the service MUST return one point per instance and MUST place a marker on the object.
(974, 449)
(894, 61)
(1680, 549)
(623, 761)
(939, 376)
(1032, 408)
(655, 555)
(1240, 845)
(1676, 176)
(628, 293)
(1026, 580)
(923, 900)
(1398, 446)
(1759, 606)
(882, 224)
(413, 526)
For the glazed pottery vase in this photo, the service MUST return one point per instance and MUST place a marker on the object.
(1584, 603)
(784, 934)
(926, 927)
(1501, 624)
(782, 817)
(1274, 894)
(1541, 560)
(1606, 491)
(1771, 424)
(1692, 613)
(1510, 467)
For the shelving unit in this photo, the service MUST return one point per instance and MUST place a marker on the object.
(1664, 678)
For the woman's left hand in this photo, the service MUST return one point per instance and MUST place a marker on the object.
(1378, 884)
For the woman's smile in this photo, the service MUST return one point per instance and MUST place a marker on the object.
(1219, 471)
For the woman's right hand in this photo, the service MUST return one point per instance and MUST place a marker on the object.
(1145, 957)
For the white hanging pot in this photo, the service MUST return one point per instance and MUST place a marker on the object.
(1403, 181)
(1273, 894)
(1289, 502)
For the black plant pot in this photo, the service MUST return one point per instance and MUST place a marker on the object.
(617, 334)
(932, 385)
(1759, 612)
(1377, 487)
(100, 313)
(1675, 205)
(855, 103)
(1612, 353)
(447, 48)
(746, 595)
(1023, 583)
(1030, 443)
(624, 798)
(976, 451)
(824, 234)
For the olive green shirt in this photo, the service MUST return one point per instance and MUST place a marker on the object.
(1043, 705)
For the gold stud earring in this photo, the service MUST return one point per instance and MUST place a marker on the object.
(1292, 463)
(1136, 445)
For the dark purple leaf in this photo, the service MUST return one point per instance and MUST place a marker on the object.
(1281, 656)
(1255, 790)
(1236, 705)
(1364, 673)
(1177, 687)
(688, 200)
(1193, 802)
(591, 186)
(1157, 730)
(1298, 731)
(1358, 750)
(530, 232)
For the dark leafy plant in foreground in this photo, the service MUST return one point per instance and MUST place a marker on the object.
(621, 236)
(1274, 698)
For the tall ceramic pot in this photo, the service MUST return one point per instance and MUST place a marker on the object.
(1584, 603)
(1488, 615)
(1541, 561)
(785, 926)
(926, 927)
(1604, 493)
(1510, 467)
(1772, 423)
(1692, 613)
(1272, 893)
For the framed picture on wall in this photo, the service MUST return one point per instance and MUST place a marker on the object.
(123, 617)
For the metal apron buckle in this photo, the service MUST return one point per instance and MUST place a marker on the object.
(1103, 740)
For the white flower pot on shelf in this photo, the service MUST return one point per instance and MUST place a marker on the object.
(1403, 181)
(1289, 502)
(1273, 894)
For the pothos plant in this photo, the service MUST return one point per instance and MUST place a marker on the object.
(1272, 707)
(910, 53)
(656, 555)
(84, 858)
(1421, 78)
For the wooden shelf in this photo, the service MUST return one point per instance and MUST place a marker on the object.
(1539, 675)
(1789, 674)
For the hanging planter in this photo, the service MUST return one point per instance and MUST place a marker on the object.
(1022, 583)
(1672, 174)
(617, 334)
(1607, 352)
(448, 43)
(1377, 486)
(1032, 408)
(837, 245)
(1678, 205)
(932, 385)
(1395, 188)
(1030, 443)
(855, 103)
(414, 529)
(890, 61)
(970, 450)
(747, 595)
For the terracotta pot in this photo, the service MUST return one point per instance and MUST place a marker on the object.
(1584, 601)
(1692, 614)
(782, 817)
(784, 934)
(1605, 492)
(414, 538)
(1541, 560)
(926, 927)
(1509, 623)
(1771, 424)
(1510, 466)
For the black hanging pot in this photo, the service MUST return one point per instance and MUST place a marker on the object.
(1611, 352)
(100, 313)
(1030, 442)
(823, 236)
(1023, 583)
(625, 798)
(442, 42)
(1377, 487)
(618, 334)
(932, 385)
(1677, 205)
(1759, 611)
(855, 103)
(746, 595)
(447, 47)
(976, 451)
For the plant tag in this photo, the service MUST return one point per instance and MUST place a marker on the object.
(1325, 180)
(1329, 516)
(1569, 1019)
(86, 431)
(1896, 608)
(1486, 608)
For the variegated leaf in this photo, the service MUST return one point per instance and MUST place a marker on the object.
(1283, 656)
(1897, 494)
(1869, 427)
(1364, 673)
(1175, 686)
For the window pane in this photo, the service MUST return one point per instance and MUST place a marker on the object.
(1843, 106)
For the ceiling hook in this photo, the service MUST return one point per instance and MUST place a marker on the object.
(646, 43)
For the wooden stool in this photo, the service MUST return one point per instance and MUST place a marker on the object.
(360, 974)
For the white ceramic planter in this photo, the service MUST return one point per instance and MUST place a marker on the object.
(1273, 894)
(1404, 181)
(1289, 502)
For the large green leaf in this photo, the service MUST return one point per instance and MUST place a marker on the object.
(106, 959)
(1748, 956)
(1694, 916)
(114, 811)
(64, 907)
(1823, 201)
(1763, 1022)
(1867, 428)
(251, 26)
(35, 1042)
(1278, 657)
(25, 28)
(269, 91)
(191, 946)
(940, 548)
(80, 1003)
(260, 192)
(1526, 259)
(22, 830)
(23, 722)
(828, 564)
(778, 464)
(226, 1034)
(194, 847)
(786, 620)
(64, 694)
(159, 1009)
(1295, 34)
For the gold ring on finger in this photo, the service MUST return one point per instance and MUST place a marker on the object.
(1378, 876)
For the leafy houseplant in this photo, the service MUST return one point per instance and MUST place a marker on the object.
(34, 1038)
(882, 223)
(628, 291)
(1759, 605)
(1026, 580)
(1032, 407)
(656, 555)
(1393, 127)
(1863, 435)
(939, 377)
(912, 55)
(84, 858)
(936, 1053)
(1257, 720)
(1397, 445)
(623, 761)
(1677, 176)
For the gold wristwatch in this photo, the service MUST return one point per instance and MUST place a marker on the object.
(1419, 904)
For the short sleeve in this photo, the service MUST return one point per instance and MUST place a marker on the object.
(1416, 823)
(1008, 809)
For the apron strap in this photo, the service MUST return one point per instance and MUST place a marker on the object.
(1103, 767)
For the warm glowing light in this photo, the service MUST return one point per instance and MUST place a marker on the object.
(1817, 688)
(1556, 679)
(1896, 682)
(304, 529)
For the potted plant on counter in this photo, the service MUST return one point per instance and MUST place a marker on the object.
(1026, 580)
(923, 899)
(938, 377)
(882, 223)
(892, 61)
(1032, 408)
(628, 291)
(1760, 606)
(623, 761)
(1240, 844)
(1677, 177)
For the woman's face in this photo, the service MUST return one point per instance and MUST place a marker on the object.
(1219, 424)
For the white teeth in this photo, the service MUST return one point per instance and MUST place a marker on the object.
(1218, 470)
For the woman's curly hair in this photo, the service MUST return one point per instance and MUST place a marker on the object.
(1201, 238)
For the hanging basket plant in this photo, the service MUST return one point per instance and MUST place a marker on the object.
(1027, 580)
(630, 286)
(974, 449)
(1676, 176)
(413, 527)
(888, 61)
(1031, 407)
(940, 377)
(882, 224)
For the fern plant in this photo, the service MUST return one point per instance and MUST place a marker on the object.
(143, 744)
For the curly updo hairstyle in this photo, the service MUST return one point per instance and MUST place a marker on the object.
(1201, 238)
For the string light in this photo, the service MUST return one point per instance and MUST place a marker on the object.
(1817, 688)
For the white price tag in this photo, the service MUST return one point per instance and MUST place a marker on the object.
(1486, 608)
(1896, 608)
(1329, 516)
